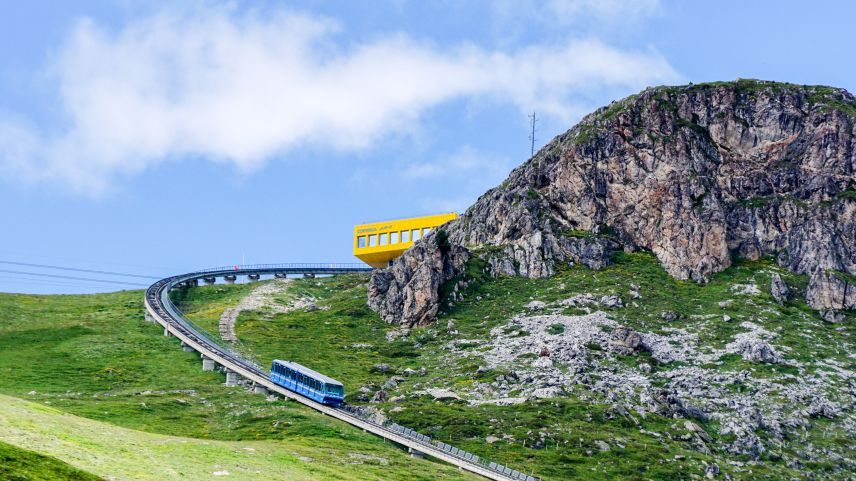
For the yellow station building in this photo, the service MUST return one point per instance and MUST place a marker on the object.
(378, 243)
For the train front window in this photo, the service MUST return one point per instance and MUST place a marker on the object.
(361, 242)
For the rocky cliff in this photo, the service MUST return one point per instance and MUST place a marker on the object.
(696, 174)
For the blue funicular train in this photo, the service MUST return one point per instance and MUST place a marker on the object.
(305, 381)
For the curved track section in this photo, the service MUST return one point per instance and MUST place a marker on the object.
(160, 309)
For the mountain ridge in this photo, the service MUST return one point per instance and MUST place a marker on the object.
(696, 174)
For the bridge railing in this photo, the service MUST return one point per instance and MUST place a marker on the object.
(293, 265)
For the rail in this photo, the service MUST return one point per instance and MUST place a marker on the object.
(162, 310)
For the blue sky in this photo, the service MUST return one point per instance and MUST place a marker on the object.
(156, 138)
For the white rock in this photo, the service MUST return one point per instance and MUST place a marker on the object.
(442, 394)
(535, 305)
(543, 362)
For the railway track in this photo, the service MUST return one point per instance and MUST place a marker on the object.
(160, 308)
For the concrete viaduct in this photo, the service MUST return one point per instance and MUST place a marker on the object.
(160, 309)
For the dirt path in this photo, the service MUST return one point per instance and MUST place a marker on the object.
(260, 298)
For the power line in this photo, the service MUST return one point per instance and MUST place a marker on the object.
(74, 269)
(10, 280)
(57, 276)
(83, 260)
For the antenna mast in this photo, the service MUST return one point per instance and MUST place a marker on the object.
(532, 120)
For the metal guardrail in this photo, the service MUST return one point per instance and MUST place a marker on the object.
(317, 266)
(157, 299)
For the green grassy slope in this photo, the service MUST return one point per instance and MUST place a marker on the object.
(95, 356)
(18, 464)
(119, 453)
(348, 342)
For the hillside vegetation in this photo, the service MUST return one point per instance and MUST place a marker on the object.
(94, 356)
(119, 453)
(582, 418)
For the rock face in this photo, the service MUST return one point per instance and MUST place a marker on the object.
(831, 290)
(695, 174)
(409, 292)
(778, 289)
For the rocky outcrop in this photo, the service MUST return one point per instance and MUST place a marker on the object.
(409, 292)
(779, 289)
(831, 290)
(695, 174)
(624, 341)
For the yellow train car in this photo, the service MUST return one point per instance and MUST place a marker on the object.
(378, 243)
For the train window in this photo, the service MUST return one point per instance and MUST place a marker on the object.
(393, 237)
(373, 240)
(384, 238)
(361, 242)
(426, 231)
(415, 235)
(405, 236)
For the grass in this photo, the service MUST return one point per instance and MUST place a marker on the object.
(18, 464)
(96, 357)
(118, 453)
(108, 364)
(325, 341)
(346, 340)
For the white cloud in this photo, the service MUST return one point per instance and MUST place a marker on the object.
(241, 88)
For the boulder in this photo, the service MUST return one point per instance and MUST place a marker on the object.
(611, 301)
(379, 396)
(624, 341)
(757, 350)
(778, 289)
(443, 394)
